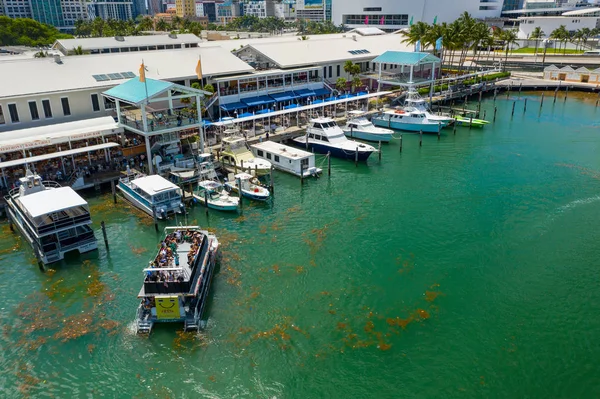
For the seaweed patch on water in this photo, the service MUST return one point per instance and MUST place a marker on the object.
(188, 341)
(594, 174)
(315, 238)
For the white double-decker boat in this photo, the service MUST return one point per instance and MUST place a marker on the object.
(53, 219)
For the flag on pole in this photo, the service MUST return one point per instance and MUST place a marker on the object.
(435, 20)
(438, 43)
(143, 73)
(366, 20)
(382, 21)
(411, 21)
(418, 46)
(199, 69)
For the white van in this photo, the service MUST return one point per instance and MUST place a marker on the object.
(592, 52)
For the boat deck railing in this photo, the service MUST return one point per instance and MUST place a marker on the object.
(14, 193)
(61, 224)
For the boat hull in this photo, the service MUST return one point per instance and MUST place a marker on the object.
(336, 152)
(409, 127)
(366, 136)
(473, 123)
(216, 206)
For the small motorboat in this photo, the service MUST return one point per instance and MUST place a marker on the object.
(468, 121)
(217, 197)
(250, 187)
(359, 127)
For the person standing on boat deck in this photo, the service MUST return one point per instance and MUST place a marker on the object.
(178, 236)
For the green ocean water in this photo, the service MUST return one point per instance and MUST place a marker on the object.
(468, 267)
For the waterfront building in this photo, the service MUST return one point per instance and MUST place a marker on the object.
(568, 74)
(391, 15)
(122, 44)
(587, 17)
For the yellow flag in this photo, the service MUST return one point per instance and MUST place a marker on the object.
(199, 70)
(142, 73)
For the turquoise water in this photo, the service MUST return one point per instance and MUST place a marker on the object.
(467, 267)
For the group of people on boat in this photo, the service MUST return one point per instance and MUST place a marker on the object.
(168, 257)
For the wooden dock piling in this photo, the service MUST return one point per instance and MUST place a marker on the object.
(328, 163)
(379, 150)
(439, 132)
(495, 112)
(104, 234)
(356, 157)
(421, 138)
(513, 108)
(566, 93)
(525, 107)
(400, 142)
(155, 219)
(114, 191)
(206, 201)
(542, 102)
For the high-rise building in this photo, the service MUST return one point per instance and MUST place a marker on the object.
(185, 8)
(59, 13)
(139, 8)
(259, 8)
(111, 9)
(313, 10)
(391, 15)
(510, 5)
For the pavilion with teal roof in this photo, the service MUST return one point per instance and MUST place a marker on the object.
(159, 110)
(404, 68)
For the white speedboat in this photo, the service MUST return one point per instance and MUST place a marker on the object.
(414, 101)
(409, 119)
(250, 187)
(235, 156)
(213, 192)
(323, 135)
(53, 219)
(361, 128)
(153, 194)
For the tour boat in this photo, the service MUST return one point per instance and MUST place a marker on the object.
(53, 219)
(287, 159)
(217, 197)
(250, 187)
(323, 135)
(466, 121)
(177, 281)
(153, 194)
(361, 128)
(235, 156)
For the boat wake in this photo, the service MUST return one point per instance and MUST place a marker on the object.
(576, 203)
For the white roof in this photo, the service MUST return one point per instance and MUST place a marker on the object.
(368, 31)
(93, 43)
(153, 184)
(282, 149)
(43, 75)
(583, 11)
(17, 140)
(310, 52)
(51, 200)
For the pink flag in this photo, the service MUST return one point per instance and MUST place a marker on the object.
(382, 21)
(367, 20)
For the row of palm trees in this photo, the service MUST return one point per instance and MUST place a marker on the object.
(459, 37)
(580, 37)
(99, 27)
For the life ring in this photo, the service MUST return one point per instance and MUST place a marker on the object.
(400, 112)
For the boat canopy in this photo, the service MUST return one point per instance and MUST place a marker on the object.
(153, 184)
(51, 200)
(258, 101)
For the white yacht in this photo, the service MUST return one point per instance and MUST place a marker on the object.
(153, 194)
(415, 101)
(54, 219)
(323, 135)
(235, 156)
(359, 127)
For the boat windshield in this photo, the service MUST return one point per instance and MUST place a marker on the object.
(325, 125)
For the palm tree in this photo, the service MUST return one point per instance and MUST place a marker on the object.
(586, 35)
(536, 34)
(578, 37)
(416, 33)
(562, 35)
(348, 67)
(78, 50)
(162, 25)
(176, 22)
(341, 84)
(146, 24)
(510, 38)
(480, 35)
(356, 82)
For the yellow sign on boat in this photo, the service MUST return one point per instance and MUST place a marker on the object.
(167, 307)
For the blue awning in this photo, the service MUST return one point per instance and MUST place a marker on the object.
(207, 123)
(346, 96)
(258, 101)
(291, 106)
(233, 106)
(285, 96)
(362, 93)
(331, 99)
(303, 93)
(264, 111)
(245, 114)
(318, 101)
(322, 92)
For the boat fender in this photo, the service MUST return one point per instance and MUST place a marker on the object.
(255, 189)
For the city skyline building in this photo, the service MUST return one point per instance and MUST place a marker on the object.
(185, 8)
(111, 9)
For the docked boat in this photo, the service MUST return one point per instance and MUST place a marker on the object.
(361, 128)
(250, 187)
(177, 281)
(408, 119)
(217, 197)
(323, 135)
(53, 219)
(287, 159)
(235, 156)
(414, 101)
(467, 121)
(202, 169)
(153, 194)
